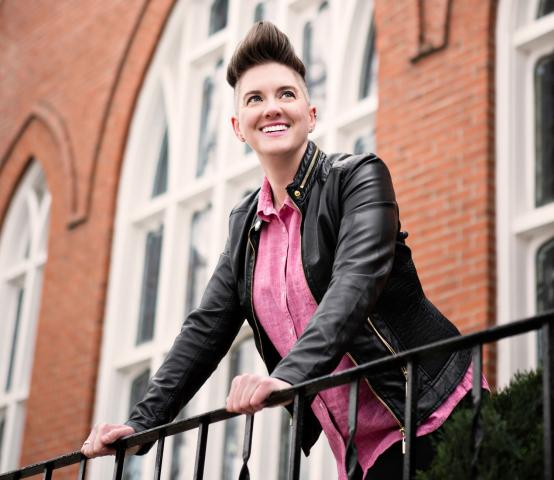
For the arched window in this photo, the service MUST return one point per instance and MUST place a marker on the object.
(525, 171)
(23, 253)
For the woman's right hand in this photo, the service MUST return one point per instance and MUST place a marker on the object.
(102, 435)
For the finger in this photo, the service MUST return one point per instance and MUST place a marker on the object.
(232, 400)
(116, 433)
(229, 400)
(249, 386)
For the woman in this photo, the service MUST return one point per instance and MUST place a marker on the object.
(317, 264)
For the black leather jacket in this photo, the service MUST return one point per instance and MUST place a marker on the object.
(360, 272)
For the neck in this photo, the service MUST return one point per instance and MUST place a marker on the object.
(280, 172)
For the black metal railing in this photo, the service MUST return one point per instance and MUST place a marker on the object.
(298, 393)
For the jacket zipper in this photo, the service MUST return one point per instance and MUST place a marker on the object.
(310, 168)
(252, 293)
(402, 428)
(388, 345)
(404, 372)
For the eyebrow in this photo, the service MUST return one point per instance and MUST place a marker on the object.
(280, 89)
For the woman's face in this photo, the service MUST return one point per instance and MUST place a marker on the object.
(272, 112)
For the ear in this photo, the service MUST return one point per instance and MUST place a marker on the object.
(312, 112)
(236, 128)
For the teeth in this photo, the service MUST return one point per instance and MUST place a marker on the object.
(274, 128)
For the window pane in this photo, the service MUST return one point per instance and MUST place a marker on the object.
(2, 425)
(259, 11)
(209, 115)
(132, 466)
(314, 48)
(367, 78)
(149, 291)
(364, 143)
(160, 180)
(178, 451)
(197, 276)
(545, 277)
(15, 335)
(545, 7)
(241, 361)
(544, 108)
(218, 15)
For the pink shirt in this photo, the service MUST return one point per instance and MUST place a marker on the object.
(284, 305)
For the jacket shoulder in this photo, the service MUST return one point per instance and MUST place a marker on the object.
(246, 203)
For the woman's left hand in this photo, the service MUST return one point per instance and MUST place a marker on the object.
(249, 391)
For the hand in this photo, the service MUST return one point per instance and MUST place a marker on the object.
(102, 435)
(248, 392)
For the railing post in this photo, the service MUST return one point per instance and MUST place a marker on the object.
(296, 436)
(246, 447)
(410, 415)
(351, 451)
(548, 393)
(82, 468)
(47, 472)
(477, 397)
(201, 451)
(159, 456)
(119, 461)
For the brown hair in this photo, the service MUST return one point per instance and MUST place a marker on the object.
(263, 43)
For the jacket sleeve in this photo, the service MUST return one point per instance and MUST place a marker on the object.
(205, 337)
(364, 257)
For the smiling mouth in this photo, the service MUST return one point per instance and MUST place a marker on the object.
(275, 128)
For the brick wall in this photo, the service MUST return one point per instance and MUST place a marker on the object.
(435, 129)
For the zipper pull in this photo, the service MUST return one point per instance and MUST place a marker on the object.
(403, 433)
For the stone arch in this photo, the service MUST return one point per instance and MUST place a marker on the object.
(44, 137)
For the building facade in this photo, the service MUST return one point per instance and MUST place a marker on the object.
(119, 167)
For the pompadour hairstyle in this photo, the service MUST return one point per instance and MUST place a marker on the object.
(264, 43)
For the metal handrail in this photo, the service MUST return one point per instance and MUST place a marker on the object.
(297, 394)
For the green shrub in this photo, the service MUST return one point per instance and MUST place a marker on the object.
(512, 445)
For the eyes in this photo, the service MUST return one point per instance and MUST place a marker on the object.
(256, 98)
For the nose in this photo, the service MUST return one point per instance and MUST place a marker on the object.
(272, 109)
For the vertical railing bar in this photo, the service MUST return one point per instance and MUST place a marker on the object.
(296, 436)
(119, 461)
(351, 450)
(201, 450)
(159, 456)
(47, 472)
(246, 447)
(477, 397)
(82, 468)
(410, 426)
(547, 394)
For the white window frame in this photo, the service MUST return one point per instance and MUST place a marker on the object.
(28, 212)
(521, 227)
(170, 93)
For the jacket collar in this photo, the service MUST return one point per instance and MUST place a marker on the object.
(301, 184)
(303, 180)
